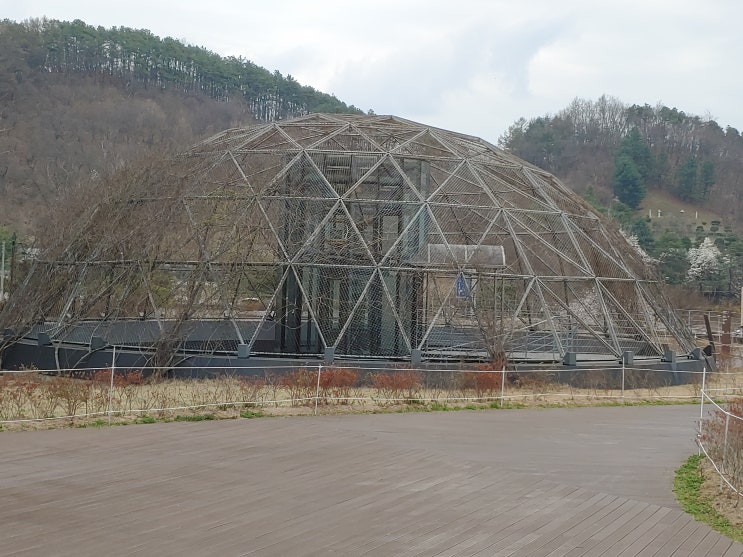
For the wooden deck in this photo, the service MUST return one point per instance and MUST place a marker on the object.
(590, 481)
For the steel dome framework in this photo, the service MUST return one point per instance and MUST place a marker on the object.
(344, 236)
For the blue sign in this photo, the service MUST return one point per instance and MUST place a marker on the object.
(463, 289)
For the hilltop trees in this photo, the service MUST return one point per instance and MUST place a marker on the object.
(139, 57)
(534, 141)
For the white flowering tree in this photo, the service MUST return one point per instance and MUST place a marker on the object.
(635, 243)
(706, 263)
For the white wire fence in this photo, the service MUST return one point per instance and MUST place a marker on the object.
(29, 397)
(720, 434)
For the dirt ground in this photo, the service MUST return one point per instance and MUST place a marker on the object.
(727, 503)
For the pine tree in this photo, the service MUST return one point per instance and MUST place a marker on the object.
(636, 149)
(629, 186)
(686, 180)
(633, 166)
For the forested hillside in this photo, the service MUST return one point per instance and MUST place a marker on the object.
(139, 57)
(77, 101)
(671, 180)
(690, 157)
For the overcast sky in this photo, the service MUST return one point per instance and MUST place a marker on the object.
(472, 66)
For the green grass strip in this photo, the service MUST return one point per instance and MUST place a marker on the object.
(687, 486)
(194, 418)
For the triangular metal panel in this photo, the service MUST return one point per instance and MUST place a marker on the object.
(563, 199)
(440, 172)
(259, 170)
(450, 339)
(387, 139)
(579, 301)
(544, 262)
(268, 136)
(324, 293)
(307, 134)
(346, 140)
(284, 328)
(462, 225)
(601, 259)
(382, 182)
(579, 317)
(361, 333)
(438, 252)
(303, 179)
(398, 301)
(666, 325)
(510, 189)
(533, 327)
(424, 145)
(463, 187)
(275, 139)
(629, 315)
(463, 146)
(295, 224)
(417, 173)
(453, 325)
(513, 197)
(403, 239)
(343, 170)
(544, 236)
(335, 240)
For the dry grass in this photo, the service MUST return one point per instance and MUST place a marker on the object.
(33, 400)
(725, 502)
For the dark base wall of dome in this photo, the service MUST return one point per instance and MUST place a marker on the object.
(79, 360)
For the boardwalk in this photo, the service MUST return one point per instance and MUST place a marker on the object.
(590, 481)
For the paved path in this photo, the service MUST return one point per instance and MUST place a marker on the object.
(589, 481)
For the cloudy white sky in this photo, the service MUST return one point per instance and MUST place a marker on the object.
(473, 66)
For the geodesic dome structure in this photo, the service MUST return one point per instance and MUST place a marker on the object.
(354, 236)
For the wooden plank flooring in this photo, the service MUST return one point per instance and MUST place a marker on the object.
(579, 482)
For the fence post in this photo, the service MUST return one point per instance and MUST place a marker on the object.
(502, 385)
(701, 405)
(111, 386)
(725, 447)
(317, 390)
(623, 380)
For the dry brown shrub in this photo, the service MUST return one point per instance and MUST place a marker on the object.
(336, 384)
(485, 382)
(301, 384)
(398, 386)
(17, 396)
(252, 389)
(71, 394)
